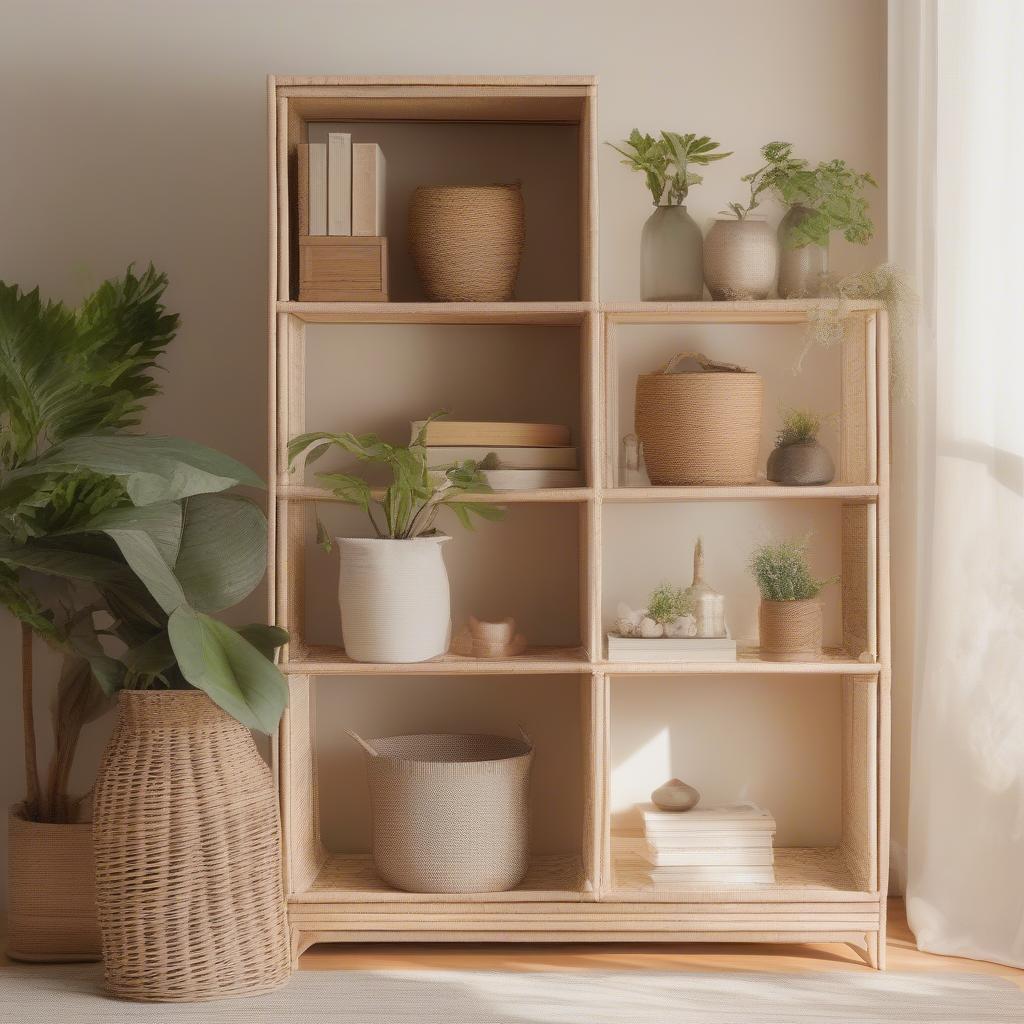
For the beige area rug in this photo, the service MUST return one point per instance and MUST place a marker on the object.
(72, 994)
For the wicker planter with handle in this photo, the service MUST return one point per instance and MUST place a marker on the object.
(699, 421)
(450, 812)
(51, 894)
(467, 240)
(187, 841)
(790, 630)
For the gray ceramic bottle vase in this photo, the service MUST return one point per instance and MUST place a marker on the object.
(672, 260)
(803, 272)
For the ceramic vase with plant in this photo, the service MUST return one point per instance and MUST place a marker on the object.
(819, 200)
(671, 243)
(741, 251)
(790, 616)
(393, 587)
(799, 458)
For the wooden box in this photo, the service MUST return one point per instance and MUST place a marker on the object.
(343, 268)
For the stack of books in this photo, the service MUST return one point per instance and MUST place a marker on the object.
(708, 846)
(512, 456)
(341, 187)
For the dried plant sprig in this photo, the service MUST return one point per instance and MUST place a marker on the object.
(781, 571)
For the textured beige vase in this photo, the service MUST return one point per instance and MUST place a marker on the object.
(188, 866)
(51, 893)
(790, 630)
(394, 597)
(741, 259)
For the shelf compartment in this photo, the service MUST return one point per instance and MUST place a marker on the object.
(541, 314)
(749, 492)
(350, 878)
(802, 875)
(768, 337)
(324, 660)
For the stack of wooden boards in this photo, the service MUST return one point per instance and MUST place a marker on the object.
(512, 456)
(712, 846)
(341, 200)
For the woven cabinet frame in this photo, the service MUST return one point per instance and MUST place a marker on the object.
(187, 840)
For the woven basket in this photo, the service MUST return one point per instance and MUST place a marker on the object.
(790, 630)
(466, 241)
(450, 812)
(51, 893)
(187, 840)
(700, 426)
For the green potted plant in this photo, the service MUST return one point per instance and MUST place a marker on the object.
(115, 548)
(671, 243)
(820, 200)
(799, 458)
(393, 587)
(741, 251)
(790, 616)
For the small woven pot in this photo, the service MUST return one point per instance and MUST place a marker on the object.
(741, 259)
(450, 812)
(51, 892)
(701, 426)
(790, 630)
(467, 240)
(187, 841)
(803, 464)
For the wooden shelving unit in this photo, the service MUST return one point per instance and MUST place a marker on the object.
(591, 892)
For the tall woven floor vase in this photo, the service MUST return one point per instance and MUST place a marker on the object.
(51, 902)
(187, 844)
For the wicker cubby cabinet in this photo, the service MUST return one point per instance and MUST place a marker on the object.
(832, 893)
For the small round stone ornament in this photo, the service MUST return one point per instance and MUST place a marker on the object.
(675, 795)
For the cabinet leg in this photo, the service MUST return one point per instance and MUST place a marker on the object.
(870, 952)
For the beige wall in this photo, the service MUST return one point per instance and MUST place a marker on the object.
(135, 131)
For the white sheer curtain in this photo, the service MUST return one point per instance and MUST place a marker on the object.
(956, 138)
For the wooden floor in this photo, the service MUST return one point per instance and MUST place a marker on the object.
(902, 956)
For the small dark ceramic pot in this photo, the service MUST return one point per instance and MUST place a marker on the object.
(801, 464)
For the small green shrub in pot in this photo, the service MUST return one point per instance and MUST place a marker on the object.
(671, 243)
(393, 587)
(820, 200)
(790, 616)
(799, 458)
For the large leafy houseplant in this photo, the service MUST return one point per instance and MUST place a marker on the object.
(115, 548)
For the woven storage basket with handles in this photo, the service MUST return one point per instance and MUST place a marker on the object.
(466, 240)
(450, 812)
(188, 860)
(700, 426)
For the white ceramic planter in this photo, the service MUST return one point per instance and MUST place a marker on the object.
(394, 598)
(741, 259)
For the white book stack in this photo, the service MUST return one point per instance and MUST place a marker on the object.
(511, 456)
(708, 846)
(682, 648)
